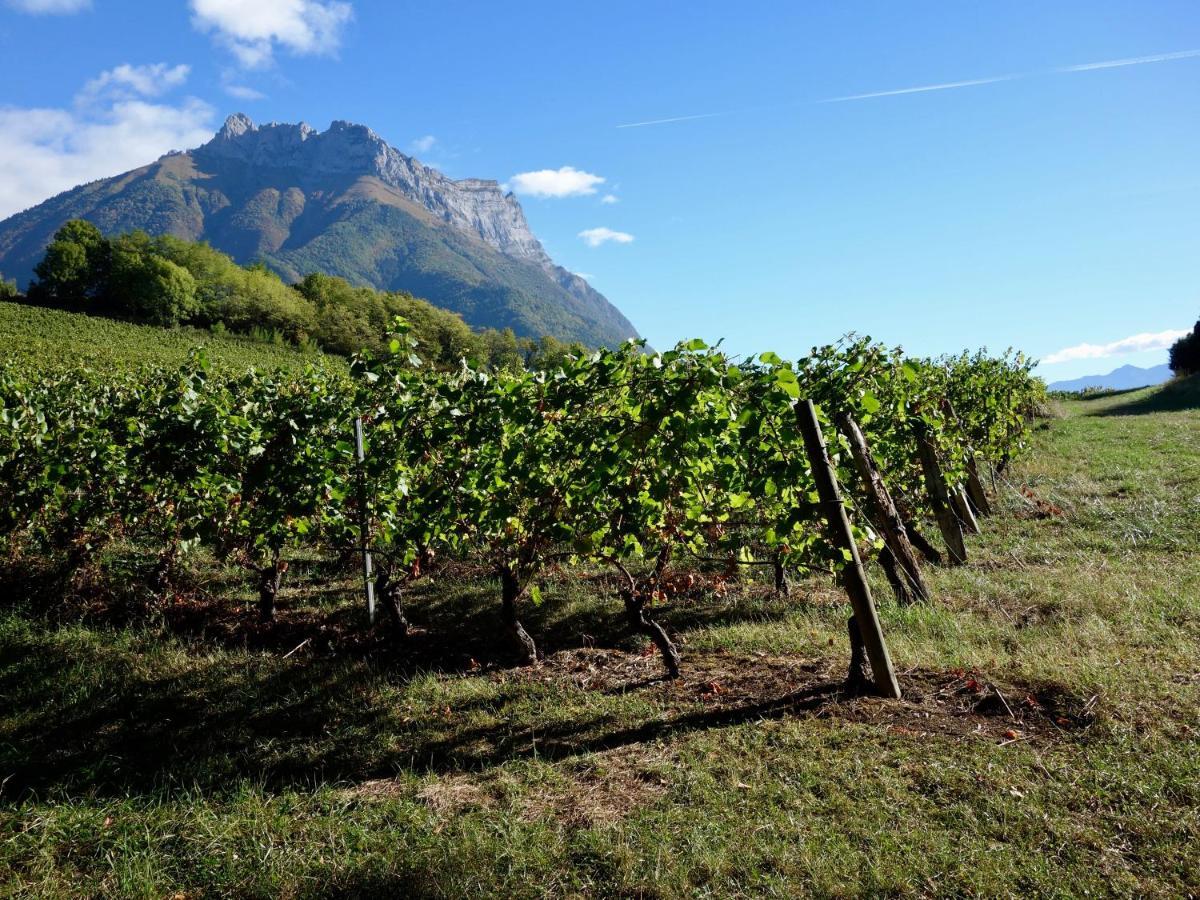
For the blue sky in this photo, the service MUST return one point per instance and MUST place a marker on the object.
(1051, 205)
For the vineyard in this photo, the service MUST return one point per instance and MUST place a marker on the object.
(160, 735)
(660, 466)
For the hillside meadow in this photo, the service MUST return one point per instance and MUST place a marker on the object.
(1046, 743)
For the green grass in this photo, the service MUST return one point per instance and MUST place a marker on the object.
(49, 337)
(152, 750)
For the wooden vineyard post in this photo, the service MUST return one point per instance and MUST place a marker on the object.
(364, 522)
(977, 502)
(939, 499)
(883, 511)
(962, 509)
(975, 492)
(853, 577)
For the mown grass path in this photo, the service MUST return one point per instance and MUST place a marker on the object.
(1048, 744)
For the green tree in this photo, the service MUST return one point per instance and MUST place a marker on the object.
(1184, 356)
(8, 289)
(502, 350)
(74, 271)
(150, 288)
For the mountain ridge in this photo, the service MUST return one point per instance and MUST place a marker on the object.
(345, 202)
(1119, 379)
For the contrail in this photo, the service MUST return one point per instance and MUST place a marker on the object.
(673, 119)
(1131, 61)
(974, 82)
(926, 87)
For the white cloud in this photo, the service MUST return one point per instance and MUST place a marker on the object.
(127, 81)
(565, 182)
(50, 7)
(1136, 343)
(48, 150)
(594, 237)
(610, 199)
(424, 144)
(244, 92)
(251, 29)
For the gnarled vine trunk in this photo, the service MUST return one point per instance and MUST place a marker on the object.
(391, 595)
(922, 543)
(783, 585)
(858, 679)
(635, 613)
(164, 569)
(269, 579)
(510, 592)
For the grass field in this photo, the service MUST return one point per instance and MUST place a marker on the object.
(1048, 743)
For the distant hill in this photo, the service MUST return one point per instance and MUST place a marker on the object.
(345, 203)
(1117, 380)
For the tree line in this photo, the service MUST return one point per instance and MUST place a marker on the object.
(168, 281)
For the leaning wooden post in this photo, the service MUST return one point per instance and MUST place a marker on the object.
(884, 514)
(364, 521)
(962, 508)
(853, 577)
(977, 502)
(939, 499)
(975, 492)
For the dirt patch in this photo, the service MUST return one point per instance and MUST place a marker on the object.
(599, 789)
(452, 794)
(727, 687)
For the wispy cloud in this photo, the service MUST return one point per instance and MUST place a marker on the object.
(126, 81)
(1136, 343)
(244, 92)
(921, 89)
(594, 237)
(610, 199)
(565, 182)
(423, 144)
(943, 86)
(50, 7)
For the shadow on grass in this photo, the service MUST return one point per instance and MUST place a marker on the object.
(1096, 394)
(162, 697)
(84, 713)
(1174, 396)
(81, 718)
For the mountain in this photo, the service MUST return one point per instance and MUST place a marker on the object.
(345, 203)
(1117, 380)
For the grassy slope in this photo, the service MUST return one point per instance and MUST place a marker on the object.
(44, 336)
(187, 753)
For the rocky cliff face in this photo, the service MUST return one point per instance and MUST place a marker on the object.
(344, 202)
(474, 205)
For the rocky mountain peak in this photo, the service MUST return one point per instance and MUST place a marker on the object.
(474, 205)
(340, 201)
